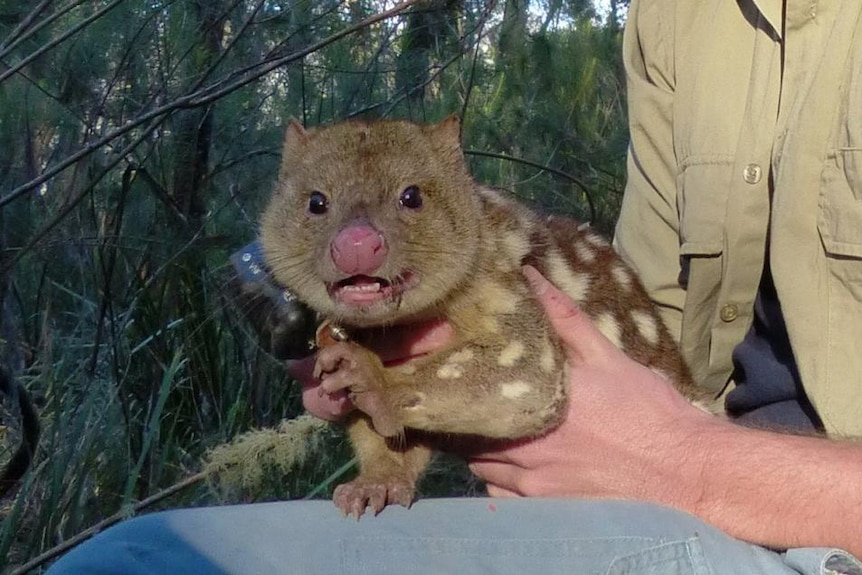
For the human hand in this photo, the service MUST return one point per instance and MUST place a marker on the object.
(625, 434)
(630, 435)
(393, 345)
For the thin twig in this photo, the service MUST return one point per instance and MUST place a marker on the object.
(22, 26)
(479, 31)
(200, 97)
(77, 199)
(107, 522)
(579, 183)
(59, 40)
(50, 19)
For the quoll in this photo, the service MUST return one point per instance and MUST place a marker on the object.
(376, 224)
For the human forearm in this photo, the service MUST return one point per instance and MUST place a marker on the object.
(779, 490)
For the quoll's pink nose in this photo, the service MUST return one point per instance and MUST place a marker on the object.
(358, 249)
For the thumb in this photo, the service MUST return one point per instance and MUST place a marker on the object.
(582, 338)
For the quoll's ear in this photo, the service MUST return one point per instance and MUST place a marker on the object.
(295, 138)
(446, 139)
(448, 132)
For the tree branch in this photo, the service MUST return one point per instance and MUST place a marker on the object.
(200, 97)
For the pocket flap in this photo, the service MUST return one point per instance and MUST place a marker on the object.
(840, 218)
(702, 206)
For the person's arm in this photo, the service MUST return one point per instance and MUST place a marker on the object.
(647, 231)
(630, 435)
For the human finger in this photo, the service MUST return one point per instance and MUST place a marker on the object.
(574, 327)
(499, 474)
(331, 407)
(496, 491)
(401, 342)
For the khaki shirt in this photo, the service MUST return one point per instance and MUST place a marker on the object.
(721, 121)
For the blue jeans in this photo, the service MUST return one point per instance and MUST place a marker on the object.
(436, 536)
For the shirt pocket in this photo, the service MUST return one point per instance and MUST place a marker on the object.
(702, 203)
(675, 558)
(840, 219)
(703, 189)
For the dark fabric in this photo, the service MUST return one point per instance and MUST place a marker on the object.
(768, 389)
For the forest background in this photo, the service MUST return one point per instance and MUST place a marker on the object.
(139, 141)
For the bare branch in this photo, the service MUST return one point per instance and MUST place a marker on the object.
(579, 183)
(10, 41)
(200, 98)
(59, 40)
(107, 522)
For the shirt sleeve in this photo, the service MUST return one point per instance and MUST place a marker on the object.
(647, 232)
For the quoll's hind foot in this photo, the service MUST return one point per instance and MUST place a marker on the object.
(353, 497)
(347, 365)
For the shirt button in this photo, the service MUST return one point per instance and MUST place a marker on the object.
(752, 173)
(729, 312)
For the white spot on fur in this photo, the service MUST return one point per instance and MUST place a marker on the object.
(574, 284)
(511, 354)
(450, 371)
(610, 327)
(461, 356)
(496, 299)
(453, 367)
(490, 324)
(622, 275)
(516, 245)
(546, 360)
(647, 326)
(585, 252)
(514, 389)
(406, 368)
(596, 240)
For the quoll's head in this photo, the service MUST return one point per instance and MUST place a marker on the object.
(372, 222)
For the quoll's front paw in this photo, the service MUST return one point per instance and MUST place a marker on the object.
(353, 497)
(349, 366)
(335, 358)
(346, 365)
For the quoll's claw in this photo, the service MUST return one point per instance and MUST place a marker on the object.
(354, 497)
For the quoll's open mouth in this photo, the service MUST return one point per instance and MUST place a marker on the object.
(366, 290)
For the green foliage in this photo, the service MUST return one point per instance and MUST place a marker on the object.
(141, 140)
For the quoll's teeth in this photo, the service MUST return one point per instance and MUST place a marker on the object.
(370, 287)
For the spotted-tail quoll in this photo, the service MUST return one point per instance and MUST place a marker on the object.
(375, 224)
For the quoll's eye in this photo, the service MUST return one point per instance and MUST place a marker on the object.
(411, 198)
(318, 203)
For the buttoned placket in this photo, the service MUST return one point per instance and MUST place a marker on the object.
(821, 36)
(748, 204)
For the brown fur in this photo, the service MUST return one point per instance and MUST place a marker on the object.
(503, 376)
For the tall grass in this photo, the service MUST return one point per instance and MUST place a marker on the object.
(112, 436)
